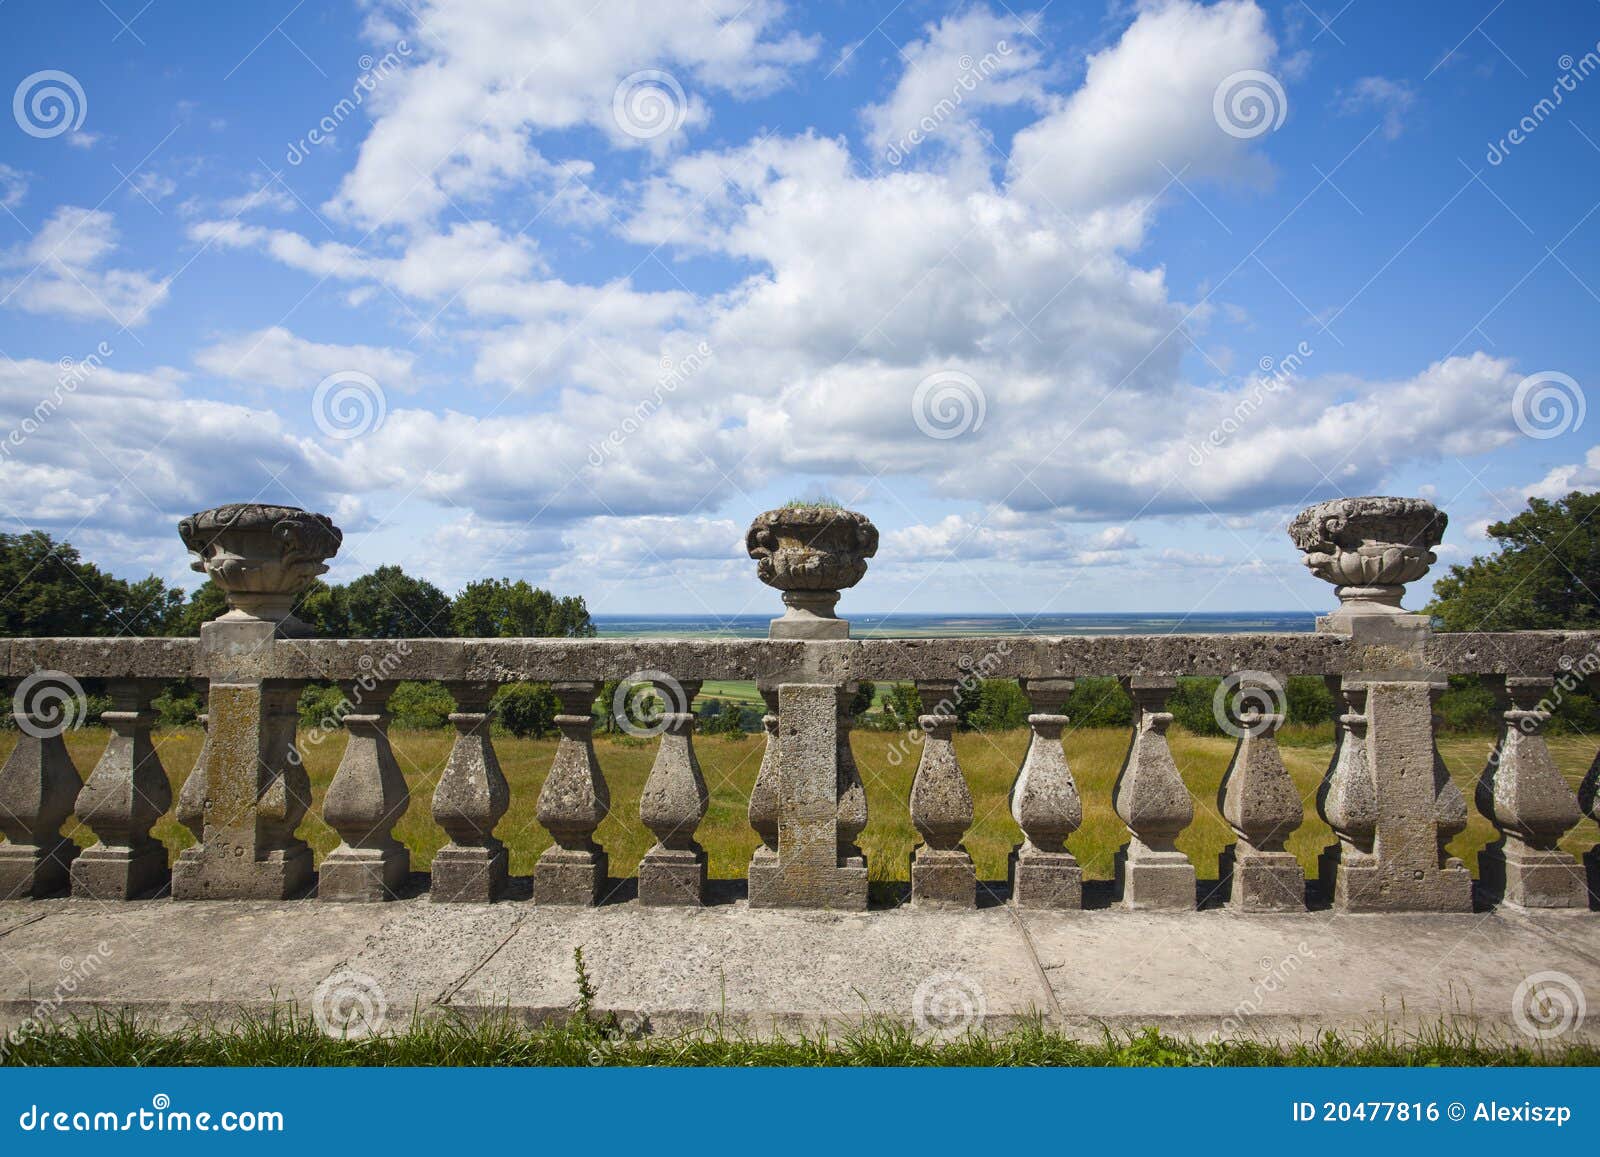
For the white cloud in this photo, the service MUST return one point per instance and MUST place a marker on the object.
(455, 124)
(1563, 480)
(967, 62)
(1390, 99)
(275, 357)
(13, 187)
(848, 290)
(1144, 112)
(59, 272)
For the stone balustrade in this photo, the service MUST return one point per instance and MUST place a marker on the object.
(1386, 794)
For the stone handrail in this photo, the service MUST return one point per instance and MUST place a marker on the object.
(1386, 794)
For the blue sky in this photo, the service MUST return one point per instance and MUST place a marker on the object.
(571, 291)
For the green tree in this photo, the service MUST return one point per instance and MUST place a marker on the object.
(503, 609)
(1545, 574)
(46, 589)
(390, 604)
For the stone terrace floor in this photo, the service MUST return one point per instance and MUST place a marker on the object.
(1188, 973)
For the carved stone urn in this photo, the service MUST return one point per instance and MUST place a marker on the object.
(263, 557)
(811, 553)
(1369, 548)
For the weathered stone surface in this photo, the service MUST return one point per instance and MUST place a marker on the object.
(672, 805)
(1524, 794)
(763, 874)
(1348, 802)
(191, 810)
(497, 661)
(122, 799)
(572, 803)
(1046, 806)
(471, 797)
(1419, 809)
(38, 787)
(1369, 548)
(1260, 803)
(1589, 800)
(106, 658)
(811, 553)
(942, 872)
(264, 557)
(256, 789)
(1237, 975)
(1153, 801)
(814, 869)
(366, 799)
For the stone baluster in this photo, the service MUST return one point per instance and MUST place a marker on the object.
(191, 809)
(38, 787)
(366, 799)
(255, 791)
(124, 796)
(1449, 805)
(1589, 801)
(764, 874)
(1046, 806)
(1152, 800)
(572, 803)
(1524, 794)
(852, 792)
(1260, 802)
(941, 808)
(1347, 799)
(469, 801)
(672, 805)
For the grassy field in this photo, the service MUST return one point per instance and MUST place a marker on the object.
(887, 762)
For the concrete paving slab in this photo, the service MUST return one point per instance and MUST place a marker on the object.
(1290, 975)
(762, 970)
(174, 961)
(1194, 973)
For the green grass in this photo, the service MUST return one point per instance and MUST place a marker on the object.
(283, 1036)
(887, 762)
